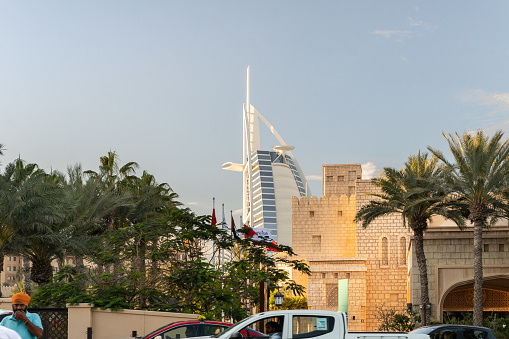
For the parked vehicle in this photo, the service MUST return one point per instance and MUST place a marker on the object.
(456, 332)
(304, 324)
(187, 329)
(4, 313)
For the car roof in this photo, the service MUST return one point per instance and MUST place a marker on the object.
(187, 322)
(434, 327)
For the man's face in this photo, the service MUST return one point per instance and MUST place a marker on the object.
(19, 306)
(269, 329)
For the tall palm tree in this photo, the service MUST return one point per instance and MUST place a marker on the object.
(477, 181)
(415, 193)
(91, 199)
(33, 208)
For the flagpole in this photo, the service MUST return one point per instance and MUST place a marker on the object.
(222, 267)
(213, 223)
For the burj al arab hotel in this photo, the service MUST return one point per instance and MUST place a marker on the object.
(270, 178)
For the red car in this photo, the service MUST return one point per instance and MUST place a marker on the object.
(194, 328)
(188, 329)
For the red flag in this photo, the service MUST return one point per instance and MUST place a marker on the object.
(249, 230)
(214, 220)
(271, 248)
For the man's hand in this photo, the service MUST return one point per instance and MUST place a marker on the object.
(20, 315)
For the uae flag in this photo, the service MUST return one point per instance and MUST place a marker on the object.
(234, 231)
(214, 220)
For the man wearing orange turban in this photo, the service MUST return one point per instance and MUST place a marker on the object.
(27, 325)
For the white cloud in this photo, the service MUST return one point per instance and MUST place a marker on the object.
(314, 177)
(497, 104)
(404, 59)
(499, 100)
(192, 203)
(368, 170)
(414, 27)
(392, 33)
(239, 211)
(421, 24)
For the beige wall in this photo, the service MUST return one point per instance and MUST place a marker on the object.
(347, 250)
(107, 324)
(449, 256)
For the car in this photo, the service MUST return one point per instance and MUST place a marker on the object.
(195, 328)
(188, 329)
(456, 332)
(4, 313)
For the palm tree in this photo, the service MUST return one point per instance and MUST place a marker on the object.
(415, 193)
(33, 208)
(91, 200)
(477, 181)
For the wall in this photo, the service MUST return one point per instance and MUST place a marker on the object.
(449, 256)
(107, 324)
(393, 292)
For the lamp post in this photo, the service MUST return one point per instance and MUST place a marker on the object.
(278, 299)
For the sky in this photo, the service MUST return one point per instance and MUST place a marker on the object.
(162, 83)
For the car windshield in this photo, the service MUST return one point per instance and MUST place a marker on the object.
(231, 328)
(423, 330)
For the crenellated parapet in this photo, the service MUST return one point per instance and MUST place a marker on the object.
(324, 200)
(324, 227)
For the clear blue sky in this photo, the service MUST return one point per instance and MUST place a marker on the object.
(162, 83)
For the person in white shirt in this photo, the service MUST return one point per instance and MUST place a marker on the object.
(7, 333)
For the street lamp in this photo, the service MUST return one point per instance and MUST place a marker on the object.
(278, 299)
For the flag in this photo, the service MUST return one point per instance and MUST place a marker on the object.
(234, 231)
(248, 231)
(214, 220)
(271, 247)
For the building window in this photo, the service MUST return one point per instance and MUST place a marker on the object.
(332, 296)
(486, 247)
(13, 258)
(341, 178)
(336, 275)
(8, 268)
(323, 275)
(8, 258)
(311, 214)
(402, 248)
(329, 178)
(351, 190)
(317, 243)
(348, 275)
(501, 247)
(14, 268)
(340, 214)
(352, 175)
(385, 252)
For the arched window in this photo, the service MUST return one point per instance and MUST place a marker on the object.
(402, 251)
(385, 252)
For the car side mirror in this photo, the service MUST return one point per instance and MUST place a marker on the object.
(236, 335)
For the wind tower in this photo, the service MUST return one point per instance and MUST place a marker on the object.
(270, 178)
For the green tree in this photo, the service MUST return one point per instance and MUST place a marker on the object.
(476, 180)
(415, 192)
(33, 209)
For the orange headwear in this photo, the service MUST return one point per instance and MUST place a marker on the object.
(21, 297)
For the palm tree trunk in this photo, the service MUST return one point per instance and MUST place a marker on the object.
(26, 274)
(425, 311)
(478, 273)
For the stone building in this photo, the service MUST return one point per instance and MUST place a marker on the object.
(368, 268)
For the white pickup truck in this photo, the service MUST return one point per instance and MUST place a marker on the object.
(303, 324)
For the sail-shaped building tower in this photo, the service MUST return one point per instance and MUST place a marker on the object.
(270, 178)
